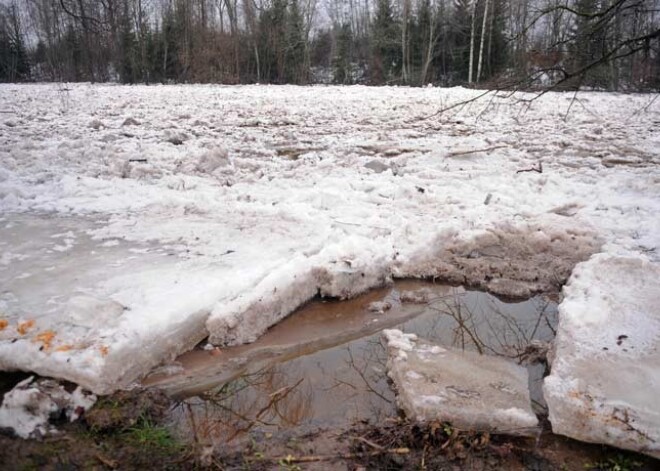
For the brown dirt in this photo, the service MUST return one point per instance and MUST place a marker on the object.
(125, 431)
(397, 445)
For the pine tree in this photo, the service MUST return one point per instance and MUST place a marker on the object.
(296, 51)
(14, 60)
(385, 50)
(343, 58)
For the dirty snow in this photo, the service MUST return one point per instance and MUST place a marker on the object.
(28, 407)
(135, 221)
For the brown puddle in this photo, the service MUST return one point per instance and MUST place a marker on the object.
(324, 366)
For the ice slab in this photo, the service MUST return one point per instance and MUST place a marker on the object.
(468, 390)
(102, 311)
(605, 380)
(98, 312)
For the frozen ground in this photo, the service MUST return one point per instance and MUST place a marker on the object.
(138, 220)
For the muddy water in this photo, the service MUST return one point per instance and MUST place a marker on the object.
(324, 366)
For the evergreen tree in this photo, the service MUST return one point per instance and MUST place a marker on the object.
(296, 51)
(589, 41)
(385, 48)
(14, 60)
(128, 69)
(343, 58)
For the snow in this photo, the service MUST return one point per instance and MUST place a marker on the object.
(218, 210)
(27, 409)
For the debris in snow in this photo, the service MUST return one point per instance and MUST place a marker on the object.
(96, 124)
(605, 380)
(460, 153)
(130, 122)
(466, 389)
(537, 169)
(27, 408)
(377, 166)
(176, 138)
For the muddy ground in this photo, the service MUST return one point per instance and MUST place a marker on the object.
(129, 430)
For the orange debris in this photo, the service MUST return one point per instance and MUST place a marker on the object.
(3, 324)
(45, 338)
(23, 327)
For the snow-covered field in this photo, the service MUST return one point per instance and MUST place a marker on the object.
(138, 220)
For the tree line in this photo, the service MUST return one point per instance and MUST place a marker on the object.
(608, 44)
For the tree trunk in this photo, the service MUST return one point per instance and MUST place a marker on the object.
(481, 46)
(472, 31)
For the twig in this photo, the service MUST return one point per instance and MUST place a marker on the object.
(538, 169)
(369, 442)
(339, 456)
(450, 107)
(643, 109)
(107, 461)
(474, 151)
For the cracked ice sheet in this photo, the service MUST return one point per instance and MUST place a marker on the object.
(291, 212)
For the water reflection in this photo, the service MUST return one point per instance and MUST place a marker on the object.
(480, 322)
(338, 383)
(273, 396)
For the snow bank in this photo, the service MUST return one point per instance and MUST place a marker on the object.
(605, 376)
(225, 208)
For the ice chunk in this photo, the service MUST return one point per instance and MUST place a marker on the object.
(468, 390)
(605, 378)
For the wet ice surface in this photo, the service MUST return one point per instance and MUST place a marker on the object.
(64, 294)
(325, 366)
(47, 258)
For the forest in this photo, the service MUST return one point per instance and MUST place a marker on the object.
(563, 44)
